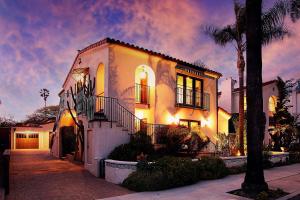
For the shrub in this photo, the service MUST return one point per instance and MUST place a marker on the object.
(294, 157)
(175, 138)
(212, 168)
(139, 143)
(142, 143)
(237, 169)
(197, 140)
(124, 152)
(295, 147)
(167, 172)
(170, 172)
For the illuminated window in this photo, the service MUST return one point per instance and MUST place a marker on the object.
(179, 89)
(189, 91)
(189, 123)
(272, 105)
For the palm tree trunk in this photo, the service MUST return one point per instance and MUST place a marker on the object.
(241, 69)
(254, 179)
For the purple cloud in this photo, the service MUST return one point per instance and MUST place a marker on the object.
(39, 40)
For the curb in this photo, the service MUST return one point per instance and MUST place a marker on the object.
(287, 197)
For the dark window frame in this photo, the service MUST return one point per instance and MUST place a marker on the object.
(184, 104)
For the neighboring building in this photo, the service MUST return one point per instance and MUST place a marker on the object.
(135, 89)
(229, 100)
(295, 100)
(31, 136)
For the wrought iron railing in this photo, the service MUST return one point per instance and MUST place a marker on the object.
(111, 110)
(142, 93)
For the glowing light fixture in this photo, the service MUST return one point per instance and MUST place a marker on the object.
(143, 73)
(139, 114)
(172, 119)
(79, 73)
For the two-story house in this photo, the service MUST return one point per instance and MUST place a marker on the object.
(135, 89)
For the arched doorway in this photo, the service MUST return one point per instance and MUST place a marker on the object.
(144, 93)
(144, 84)
(67, 135)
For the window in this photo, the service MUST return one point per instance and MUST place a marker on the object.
(189, 123)
(189, 91)
(179, 89)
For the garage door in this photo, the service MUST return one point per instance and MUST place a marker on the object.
(27, 141)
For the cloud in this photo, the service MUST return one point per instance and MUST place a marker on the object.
(39, 40)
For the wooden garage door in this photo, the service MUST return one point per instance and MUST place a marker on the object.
(27, 141)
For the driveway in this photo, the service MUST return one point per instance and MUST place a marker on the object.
(36, 175)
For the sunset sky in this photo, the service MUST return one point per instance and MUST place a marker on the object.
(39, 40)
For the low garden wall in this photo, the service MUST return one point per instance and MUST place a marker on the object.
(236, 161)
(117, 171)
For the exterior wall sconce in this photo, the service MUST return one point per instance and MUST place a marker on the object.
(143, 73)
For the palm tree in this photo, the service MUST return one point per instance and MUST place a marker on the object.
(235, 34)
(254, 180)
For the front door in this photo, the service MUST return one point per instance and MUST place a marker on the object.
(144, 90)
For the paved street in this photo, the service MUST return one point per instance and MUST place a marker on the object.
(35, 175)
(286, 178)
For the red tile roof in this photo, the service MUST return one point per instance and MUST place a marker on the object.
(125, 44)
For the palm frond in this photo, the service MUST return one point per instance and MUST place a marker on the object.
(275, 15)
(274, 33)
(221, 36)
(295, 10)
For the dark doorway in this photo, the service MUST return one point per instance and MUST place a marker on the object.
(68, 140)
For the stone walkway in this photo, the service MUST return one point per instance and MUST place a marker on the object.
(286, 178)
(35, 175)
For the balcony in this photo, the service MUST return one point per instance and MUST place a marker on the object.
(142, 94)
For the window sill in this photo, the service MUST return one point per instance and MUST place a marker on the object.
(188, 106)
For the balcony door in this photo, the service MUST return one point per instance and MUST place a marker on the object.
(144, 89)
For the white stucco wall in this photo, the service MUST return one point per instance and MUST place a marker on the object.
(122, 65)
(268, 91)
(104, 140)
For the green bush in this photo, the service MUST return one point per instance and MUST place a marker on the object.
(294, 157)
(124, 152)
(175, 138)
(170, 172)
(212, 168)
(139, 143)
(237, 169)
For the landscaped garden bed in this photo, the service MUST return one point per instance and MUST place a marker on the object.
(139, 166)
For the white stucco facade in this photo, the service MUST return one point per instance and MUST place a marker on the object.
(229, 100)
(116, 66)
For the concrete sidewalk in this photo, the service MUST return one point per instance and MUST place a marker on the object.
(286, 178)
